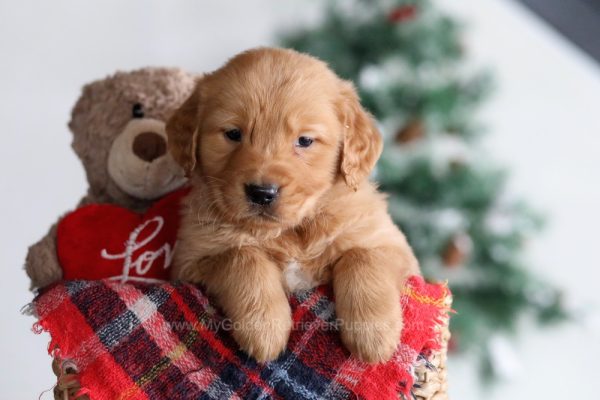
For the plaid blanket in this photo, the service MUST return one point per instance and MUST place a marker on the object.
(165, 341)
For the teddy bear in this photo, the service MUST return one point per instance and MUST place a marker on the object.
(118, 127)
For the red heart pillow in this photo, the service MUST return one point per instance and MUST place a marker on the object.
(100, 241)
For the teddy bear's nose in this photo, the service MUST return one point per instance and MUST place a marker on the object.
(149, 146)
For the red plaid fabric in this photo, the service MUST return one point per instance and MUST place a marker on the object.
(165, 341)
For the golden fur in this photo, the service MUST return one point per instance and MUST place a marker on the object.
(328, 218)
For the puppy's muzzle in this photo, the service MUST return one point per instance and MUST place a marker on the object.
(262, 195)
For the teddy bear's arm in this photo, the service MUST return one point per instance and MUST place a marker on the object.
(42, 264)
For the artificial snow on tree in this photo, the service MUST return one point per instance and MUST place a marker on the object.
(407, 61)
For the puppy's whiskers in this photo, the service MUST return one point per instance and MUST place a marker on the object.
(215, 179)
(207, 212)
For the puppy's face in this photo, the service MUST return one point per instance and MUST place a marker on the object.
(270, 133)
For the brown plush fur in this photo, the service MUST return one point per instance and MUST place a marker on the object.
(328, 218)
(100, 115)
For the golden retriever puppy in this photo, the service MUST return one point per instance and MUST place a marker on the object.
(279, 150)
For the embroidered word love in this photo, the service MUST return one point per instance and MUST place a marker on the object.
(143, 262)
(106, 241)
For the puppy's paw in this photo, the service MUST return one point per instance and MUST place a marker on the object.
(264, 334)
(373, 340)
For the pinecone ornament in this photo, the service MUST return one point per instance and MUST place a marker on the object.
(411, 132)
(457, 250)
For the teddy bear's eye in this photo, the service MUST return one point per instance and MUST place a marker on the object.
(137, 111)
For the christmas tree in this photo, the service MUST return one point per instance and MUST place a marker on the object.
(408, 63)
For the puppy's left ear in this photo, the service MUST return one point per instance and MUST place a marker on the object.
(362, 142)
(182, 132)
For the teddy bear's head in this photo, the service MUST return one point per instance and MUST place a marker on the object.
(118, 127)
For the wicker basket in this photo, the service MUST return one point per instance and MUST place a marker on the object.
(430, 383)
(431, 378)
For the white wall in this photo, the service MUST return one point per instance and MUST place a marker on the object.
(544, 122)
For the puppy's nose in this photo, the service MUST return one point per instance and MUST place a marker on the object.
(149, 146)
(263, 195)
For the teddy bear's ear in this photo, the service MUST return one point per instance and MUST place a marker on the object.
(182, 132)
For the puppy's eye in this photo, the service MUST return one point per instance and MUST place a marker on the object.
(234, 134)
(304, 141)
(137, 111)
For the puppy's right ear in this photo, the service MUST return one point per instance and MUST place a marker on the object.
(182, 132)
(362, 142)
